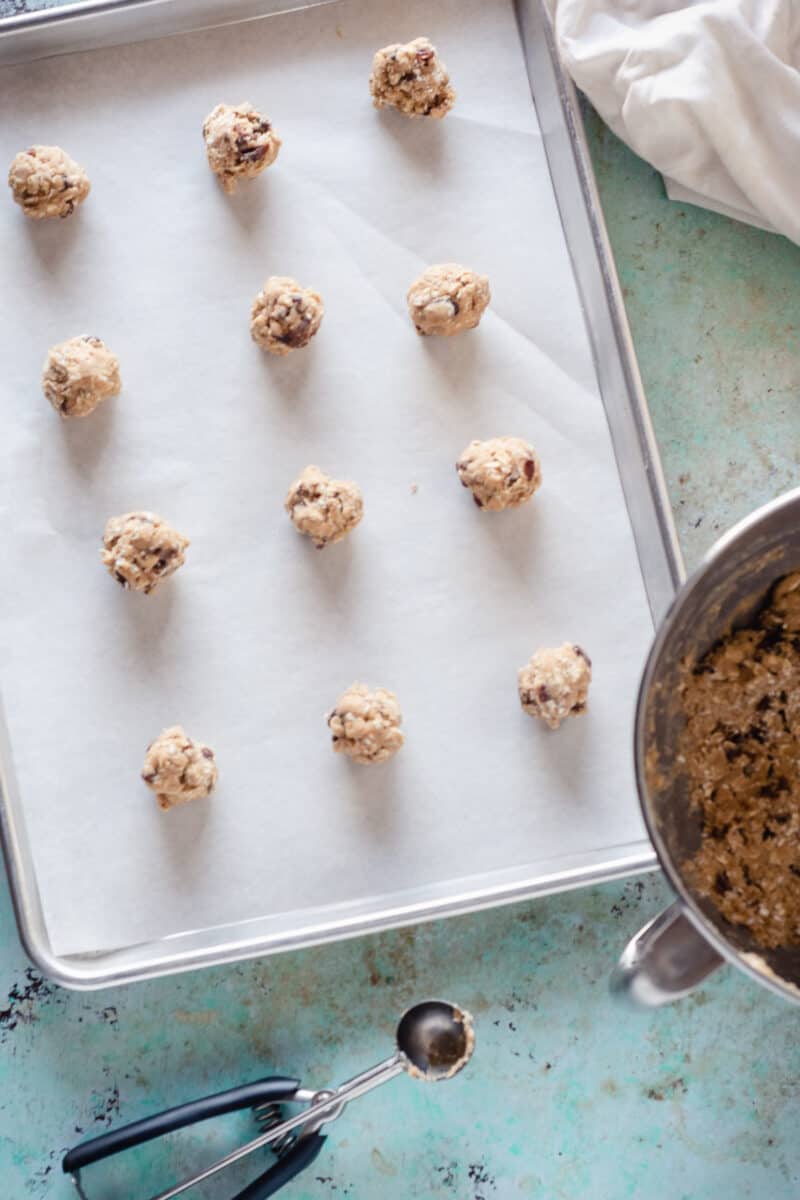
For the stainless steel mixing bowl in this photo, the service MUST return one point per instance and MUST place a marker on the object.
(676, 951)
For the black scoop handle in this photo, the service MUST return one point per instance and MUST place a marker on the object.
(116, 1140)
(301, 1155)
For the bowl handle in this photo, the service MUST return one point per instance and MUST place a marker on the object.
(665, 961)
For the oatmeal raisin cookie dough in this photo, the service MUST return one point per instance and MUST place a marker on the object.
(322, 508)
(46, 182)
(554, 685)
(365, 724)
(140, 550)
(240, 143)
(739, 756)
(79, 374)
(411, 78)
(447, 299)
(285, 316)
(501, 473)
(179, 769)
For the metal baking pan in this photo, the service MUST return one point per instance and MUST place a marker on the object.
(95, 24)
(88, 25)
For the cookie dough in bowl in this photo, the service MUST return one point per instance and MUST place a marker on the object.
(554, 685)
(411, 78)
(447, 299)
(46, 182)
(322, 508)
(365, 724)
(285, 316)
(240, 143)
(179, 769)
(501, 473)
(79, 374)
(140, 550)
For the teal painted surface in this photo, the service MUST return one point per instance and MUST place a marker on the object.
(568, 1097)
(11, 8)
(715, 311)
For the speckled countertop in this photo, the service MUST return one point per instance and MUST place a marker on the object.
(568, 1097)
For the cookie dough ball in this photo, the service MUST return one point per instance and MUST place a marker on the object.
(500, 473)
(285, 316)
(365, 725)
(79, 374)
(412, 79)
(46, 182)
(324, 509)
(240, 143)
(447, 299)
(139, 550)
(554, 685)
(178, 769)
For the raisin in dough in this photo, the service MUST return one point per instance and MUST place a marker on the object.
(447, 299)
(554, 685)
(411, 78)
(365, 724)
(46, 182)
(285, 316)
(324, 509)
(139, 550)
(178, 769)
(79, 374)
(500, 473)
(240, 143)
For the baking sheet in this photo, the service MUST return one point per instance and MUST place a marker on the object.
(91, 24)
(250, 643)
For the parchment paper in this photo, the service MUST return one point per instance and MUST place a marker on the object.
(256, 636)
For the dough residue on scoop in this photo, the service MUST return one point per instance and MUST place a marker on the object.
(457, 1064)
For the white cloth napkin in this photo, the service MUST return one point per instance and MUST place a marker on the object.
(708, 91)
